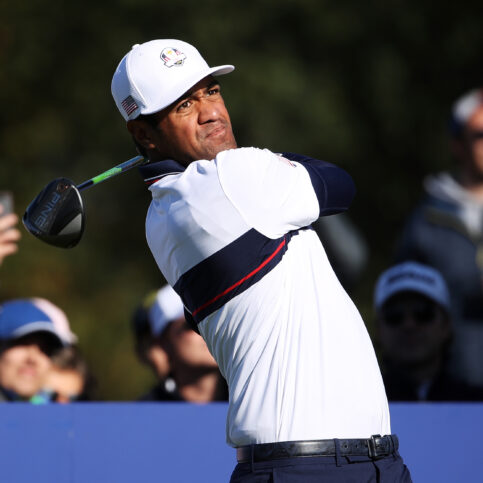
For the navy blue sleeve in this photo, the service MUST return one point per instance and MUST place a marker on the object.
(333, 186)
(191, 321)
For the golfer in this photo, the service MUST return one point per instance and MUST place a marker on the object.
(230, 229)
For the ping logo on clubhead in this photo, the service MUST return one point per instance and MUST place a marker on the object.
(43, 218)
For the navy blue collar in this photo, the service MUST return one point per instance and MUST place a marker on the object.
(153, 172)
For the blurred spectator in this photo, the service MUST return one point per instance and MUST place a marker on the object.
(413, 331)
(177, 355)
(28, 340)
(9, 234)
(446, 232)
(69, 378)
(59, 319)
(345, 246)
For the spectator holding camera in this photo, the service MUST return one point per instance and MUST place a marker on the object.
(9, 234)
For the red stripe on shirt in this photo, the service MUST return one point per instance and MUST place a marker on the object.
(246, 277)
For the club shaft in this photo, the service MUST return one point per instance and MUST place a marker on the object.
(120, 168)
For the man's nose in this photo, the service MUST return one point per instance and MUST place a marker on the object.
(33, 353)
(207, 111)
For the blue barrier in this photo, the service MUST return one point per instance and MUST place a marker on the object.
(179, 443)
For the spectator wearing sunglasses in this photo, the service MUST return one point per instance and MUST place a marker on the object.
(446, 232)
(178, 356)
(414, 333)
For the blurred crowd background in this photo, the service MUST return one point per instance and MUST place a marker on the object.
(367, 86)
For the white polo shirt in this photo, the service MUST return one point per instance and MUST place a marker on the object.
(233, 237)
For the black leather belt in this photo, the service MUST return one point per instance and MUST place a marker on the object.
(375, 447)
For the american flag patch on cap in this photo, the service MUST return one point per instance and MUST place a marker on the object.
(129, 105)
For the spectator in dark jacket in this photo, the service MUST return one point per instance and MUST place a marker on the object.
(414, 333)
(445, 231)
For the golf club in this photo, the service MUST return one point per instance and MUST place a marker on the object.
(56, 216)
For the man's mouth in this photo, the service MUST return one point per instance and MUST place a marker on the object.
(216, 131)
(28, 372)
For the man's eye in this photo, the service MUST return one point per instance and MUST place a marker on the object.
(214, 90)
(184, 105)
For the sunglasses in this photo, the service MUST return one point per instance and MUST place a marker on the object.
(424, 314)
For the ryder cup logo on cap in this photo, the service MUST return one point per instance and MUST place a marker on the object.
(172, 56)
(155, 74)
(411, 277)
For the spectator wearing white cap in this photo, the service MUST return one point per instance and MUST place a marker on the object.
(178, 356)
(28, 339)
(445, 231)
(413, 331)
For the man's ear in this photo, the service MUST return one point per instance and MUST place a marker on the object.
(141, 132)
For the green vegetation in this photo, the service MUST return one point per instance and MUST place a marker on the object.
(366, 85)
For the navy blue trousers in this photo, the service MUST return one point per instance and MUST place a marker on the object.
(324, 469)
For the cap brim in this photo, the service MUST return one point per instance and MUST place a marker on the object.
(34, 327)
(189, 83)
(411, 288)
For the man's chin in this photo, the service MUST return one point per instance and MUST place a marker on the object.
(215, 148)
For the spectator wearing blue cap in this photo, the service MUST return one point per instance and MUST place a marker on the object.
(28, 339)
(178, 356)
(414, 333)
(445, 231)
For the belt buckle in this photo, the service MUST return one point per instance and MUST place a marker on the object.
(372, 446)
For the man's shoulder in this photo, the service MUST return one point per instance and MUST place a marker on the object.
(245, 154)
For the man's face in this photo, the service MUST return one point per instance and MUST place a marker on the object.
(187, 348)
(197, 126)
(67, 384)
(473, 136)
(25, 363)
(412, 330)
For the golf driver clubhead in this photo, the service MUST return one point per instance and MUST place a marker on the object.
(56, 216)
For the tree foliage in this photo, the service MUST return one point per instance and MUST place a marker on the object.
(367, 86)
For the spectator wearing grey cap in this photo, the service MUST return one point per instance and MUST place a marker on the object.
(414, 333)
(445, 231)
(28, 339)
(178, 356)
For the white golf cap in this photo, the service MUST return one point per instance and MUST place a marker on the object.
(166, 307)
(411, 277)
(155, 74)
